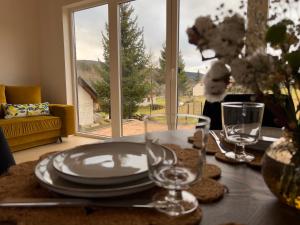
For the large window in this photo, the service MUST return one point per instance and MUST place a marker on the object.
(92, 73)
(191, 66)
(132, 58)
(143, 62)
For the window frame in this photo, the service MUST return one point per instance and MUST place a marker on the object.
(172, 45)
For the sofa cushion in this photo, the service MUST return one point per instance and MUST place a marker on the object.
(2, 99)
(23, 95)
(2, 94)
(14, 110)
(41, 109)
(17, 127)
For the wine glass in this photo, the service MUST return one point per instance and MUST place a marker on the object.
(179, 174)
(241, 123)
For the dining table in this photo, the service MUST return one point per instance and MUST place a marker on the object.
(247, 201)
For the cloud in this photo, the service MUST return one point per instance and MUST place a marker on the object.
(152, 18)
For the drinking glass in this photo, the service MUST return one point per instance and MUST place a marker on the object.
(175, 175)
(241, 123)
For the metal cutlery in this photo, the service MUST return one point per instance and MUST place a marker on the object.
(73, 202)
(269, 139)
(217, 140)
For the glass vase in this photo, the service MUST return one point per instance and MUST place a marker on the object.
(281, 169)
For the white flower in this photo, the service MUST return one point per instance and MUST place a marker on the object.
(255, 72)
(215, 82)
(243, 74)
(233, 29)
(218, 71)
(204, 24)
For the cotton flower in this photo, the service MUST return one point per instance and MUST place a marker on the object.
(216, 81)
(233, 29)
(201, 32)
(256, 72)
(264, 67)
(193, 35)
(228, 38)
(242, 73)
(204, 24)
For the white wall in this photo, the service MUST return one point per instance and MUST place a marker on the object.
(85, 108)
(19, 42)
(53, 71)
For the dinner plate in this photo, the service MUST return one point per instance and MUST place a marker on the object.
(105, 163)
(48, 178)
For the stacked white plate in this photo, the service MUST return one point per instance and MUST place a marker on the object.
(98, 170)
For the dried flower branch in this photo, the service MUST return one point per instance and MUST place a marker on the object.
(263, 73)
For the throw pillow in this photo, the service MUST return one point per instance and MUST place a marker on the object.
(41, 109)
(14, 110)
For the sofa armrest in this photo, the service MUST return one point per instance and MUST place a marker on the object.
(67, 115)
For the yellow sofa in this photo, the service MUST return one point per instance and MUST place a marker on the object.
(27, 132)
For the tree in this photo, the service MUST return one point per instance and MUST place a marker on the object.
(182, 80)
(134, 61)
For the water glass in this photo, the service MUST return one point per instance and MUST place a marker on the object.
(176, 175)
(241, 123)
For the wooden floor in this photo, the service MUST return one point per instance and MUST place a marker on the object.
(35, 153)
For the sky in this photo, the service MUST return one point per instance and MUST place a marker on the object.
(152, 18)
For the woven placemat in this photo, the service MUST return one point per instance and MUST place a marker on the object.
(208, 190)
(256, 163)
(222, 158)
(211, 147)
(211, 171)
(107, 216)
(231, 224)
(188, 156)
(20, 182)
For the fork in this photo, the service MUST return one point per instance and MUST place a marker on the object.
(217, 140)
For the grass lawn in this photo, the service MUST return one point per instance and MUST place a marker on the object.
(191, 105)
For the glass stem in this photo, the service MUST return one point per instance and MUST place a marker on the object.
(239, 151)
(175, 195)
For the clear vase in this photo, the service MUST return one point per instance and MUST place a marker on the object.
(281, 169)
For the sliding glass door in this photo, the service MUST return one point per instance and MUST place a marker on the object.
(142, 62)
(92, 71)
(132, 58)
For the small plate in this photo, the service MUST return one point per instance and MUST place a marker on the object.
(48, 178)
(105, 163)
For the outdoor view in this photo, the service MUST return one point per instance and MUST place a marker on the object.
(143, 60)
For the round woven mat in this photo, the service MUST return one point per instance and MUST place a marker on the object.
(211, 147)
(107, 216)
(191, 139)
(187, 156)
(208, 190)
(212, 171)
(256, 163)
(221, 157)
(231, 224)
(20, 182)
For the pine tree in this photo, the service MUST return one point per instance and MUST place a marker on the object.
(134, 60)
(182, 80)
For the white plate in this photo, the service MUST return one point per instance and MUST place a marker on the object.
(47, 177)
(102, 164)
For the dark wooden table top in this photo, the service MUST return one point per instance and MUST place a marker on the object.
(249, 200)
